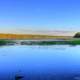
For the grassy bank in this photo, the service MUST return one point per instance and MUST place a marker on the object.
(64, 42)
(68, 42)
(6, 42)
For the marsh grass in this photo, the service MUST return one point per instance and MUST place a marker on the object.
(63, 42)
(5, 42)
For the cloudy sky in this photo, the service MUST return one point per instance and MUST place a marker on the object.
(25, 15)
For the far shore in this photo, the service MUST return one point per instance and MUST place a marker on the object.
(29, 39)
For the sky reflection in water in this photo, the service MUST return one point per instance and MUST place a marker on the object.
(57, 62)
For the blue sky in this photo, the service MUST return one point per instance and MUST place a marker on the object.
(40, 14)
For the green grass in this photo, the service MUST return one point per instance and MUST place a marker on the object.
(64, 42)
(5, 42)
(74, 42)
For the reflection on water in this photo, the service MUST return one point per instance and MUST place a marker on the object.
(58, 62)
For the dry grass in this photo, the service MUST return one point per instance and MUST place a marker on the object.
(30, 36)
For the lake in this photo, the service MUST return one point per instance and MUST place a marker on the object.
(57, 62)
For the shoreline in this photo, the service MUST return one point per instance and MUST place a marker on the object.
(72, 41)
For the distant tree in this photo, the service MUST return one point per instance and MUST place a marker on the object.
(77, 35)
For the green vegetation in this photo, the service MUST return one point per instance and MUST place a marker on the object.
(77, 35)
(6, 42)
(71, 42)
(74, 42)
(63, 42)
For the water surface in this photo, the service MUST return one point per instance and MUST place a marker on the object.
(58, 62)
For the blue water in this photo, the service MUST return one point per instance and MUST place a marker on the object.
(58, 62)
